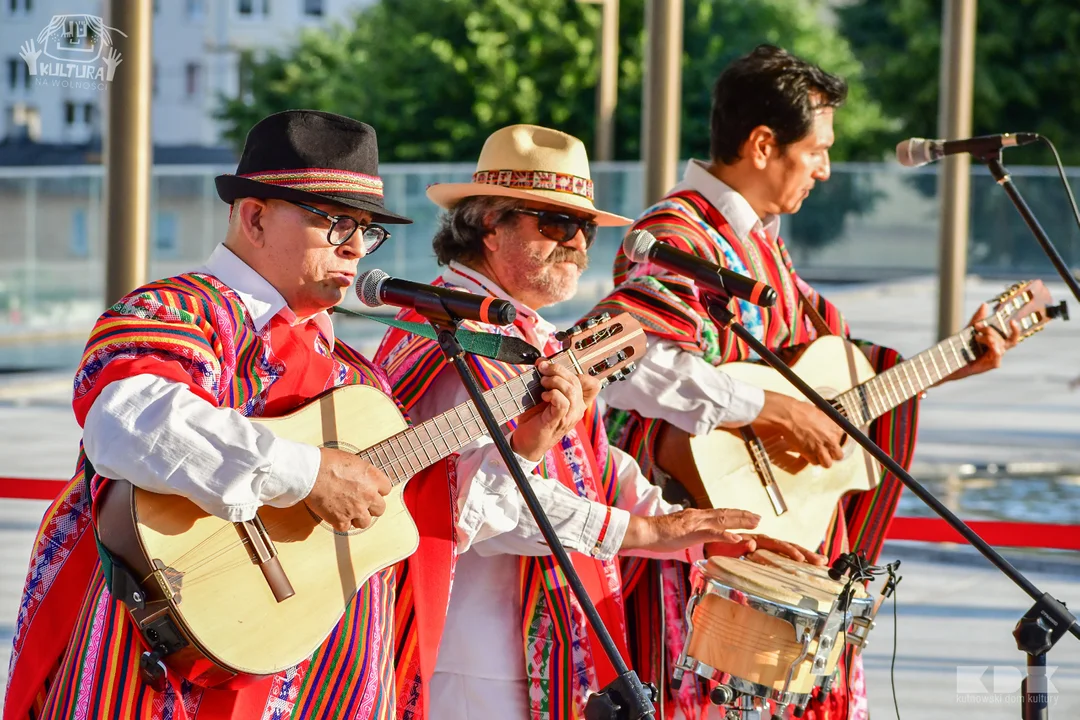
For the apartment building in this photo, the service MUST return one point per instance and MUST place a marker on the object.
(199, 48)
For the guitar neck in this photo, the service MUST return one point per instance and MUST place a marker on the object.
(423, 445)
(895, 386)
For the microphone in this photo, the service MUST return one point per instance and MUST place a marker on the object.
(375, 288)
(916, 152)
(642, 246)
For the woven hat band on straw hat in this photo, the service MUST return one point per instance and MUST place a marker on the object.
(531, 163)
(537, 180)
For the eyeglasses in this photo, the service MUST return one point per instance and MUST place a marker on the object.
(561, 227)
(342, 228)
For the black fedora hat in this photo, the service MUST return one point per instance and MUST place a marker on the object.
(310, 156)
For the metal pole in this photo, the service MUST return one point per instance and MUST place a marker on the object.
(954, 189)
(663, 96)
(607, 91)
(128, 151)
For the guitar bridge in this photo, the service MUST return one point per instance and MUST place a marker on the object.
(764, 470)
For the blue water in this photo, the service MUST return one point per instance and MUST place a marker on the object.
(1021, 499)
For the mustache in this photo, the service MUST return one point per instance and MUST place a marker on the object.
(568, 254)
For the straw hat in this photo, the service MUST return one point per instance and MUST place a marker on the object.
(531, 163)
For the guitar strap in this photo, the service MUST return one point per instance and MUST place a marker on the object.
(815, 317)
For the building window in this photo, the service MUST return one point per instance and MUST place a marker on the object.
(313, 7)
(18, 74)
(89, 113)
(245, 75)
(24, 121)
(79, 243)
(192, 71)
(69, 113)
(154, 80)
(16, 6)
(196, 9)
(252, 8)
(166, 242)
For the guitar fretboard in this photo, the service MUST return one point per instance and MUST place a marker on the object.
(895, 386)
(423, 445)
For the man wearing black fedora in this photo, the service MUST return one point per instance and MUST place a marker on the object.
(170, 376)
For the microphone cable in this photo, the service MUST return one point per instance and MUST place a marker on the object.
(1064, 180)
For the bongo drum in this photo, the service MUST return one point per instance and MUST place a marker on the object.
(761, 631)
(862, 606)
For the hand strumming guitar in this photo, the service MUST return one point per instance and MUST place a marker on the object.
(348, 491)
(807, 430)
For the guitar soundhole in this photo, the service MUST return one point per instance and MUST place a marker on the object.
(350, 448)
(343, 446)
(327, 526)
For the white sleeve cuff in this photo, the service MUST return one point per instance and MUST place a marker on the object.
(293, 471)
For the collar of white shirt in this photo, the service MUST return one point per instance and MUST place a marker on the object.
(260, 298)
(732, 205)
(475, 281)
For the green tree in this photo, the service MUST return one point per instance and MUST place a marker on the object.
(436, 77)
(718, 31)
(1027, 61)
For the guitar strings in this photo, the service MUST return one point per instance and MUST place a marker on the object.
(190, 570)
(890, 384)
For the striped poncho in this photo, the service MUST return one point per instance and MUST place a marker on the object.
(563, 658)
(670, 308)
(76, 653)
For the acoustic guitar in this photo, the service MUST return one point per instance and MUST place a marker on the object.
(755, 471)
(216, 600)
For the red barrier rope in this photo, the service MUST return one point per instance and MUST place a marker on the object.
(31, 488)
(936, 530)
(1004, 534)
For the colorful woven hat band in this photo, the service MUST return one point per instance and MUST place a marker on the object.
(537, 180)
(321, 180)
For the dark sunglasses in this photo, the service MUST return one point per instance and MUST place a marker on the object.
(561, 227)
(342, 228)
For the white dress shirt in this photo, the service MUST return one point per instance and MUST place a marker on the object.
(481, 653)
(678, 387)
(162, 437)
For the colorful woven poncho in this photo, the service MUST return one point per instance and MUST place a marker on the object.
(75, 652)
(669, 307)
(562, 656)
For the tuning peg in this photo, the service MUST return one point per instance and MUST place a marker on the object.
(1061, 310)
(591, 323)
(604, 317)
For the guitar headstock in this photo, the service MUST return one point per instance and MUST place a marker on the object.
(1030, 304)
(605, 347)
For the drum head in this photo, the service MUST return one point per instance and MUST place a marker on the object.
(812, 575)
(765, 582)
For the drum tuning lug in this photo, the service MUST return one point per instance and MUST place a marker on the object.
(721, 695)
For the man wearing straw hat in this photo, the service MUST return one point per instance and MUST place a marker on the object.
(169, 377)
(515, 643)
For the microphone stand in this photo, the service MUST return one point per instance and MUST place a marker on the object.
(993, 162)
(625, 698)
(1047, 620)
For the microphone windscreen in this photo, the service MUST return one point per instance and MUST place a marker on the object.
(914, 152)
(368, 285)
(637, 245)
